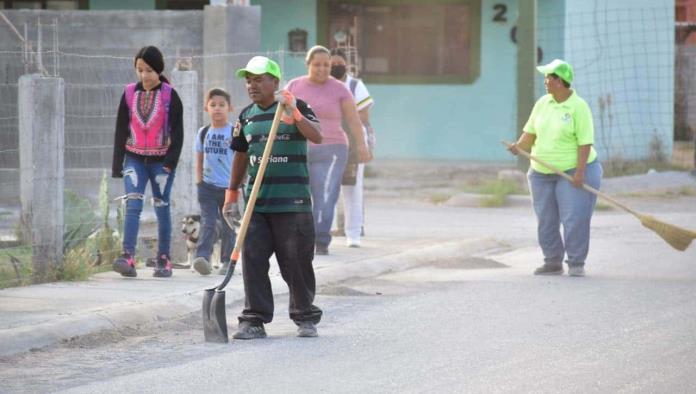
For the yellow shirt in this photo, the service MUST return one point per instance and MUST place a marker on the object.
(560, 128)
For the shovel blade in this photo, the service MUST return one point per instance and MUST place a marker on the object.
(214, 318)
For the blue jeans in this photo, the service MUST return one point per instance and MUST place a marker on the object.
(211, 199)
(136, 174)
(326, 165)
(557, 202)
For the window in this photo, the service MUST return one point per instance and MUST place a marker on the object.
(407, 41)
(47, 4)
(181, 4)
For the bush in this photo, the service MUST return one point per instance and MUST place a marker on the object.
(80, 220)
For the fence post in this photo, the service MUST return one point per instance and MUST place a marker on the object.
(236, 32)
(184, 195)
(41, 109)
(526, 66)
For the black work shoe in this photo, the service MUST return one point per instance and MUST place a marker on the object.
(576, 270)
(249, 330)
(306, 329)
(549, 269)
(125, 265)
(322, 250)
(163, 268)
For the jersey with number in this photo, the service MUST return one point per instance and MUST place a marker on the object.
(285, 186)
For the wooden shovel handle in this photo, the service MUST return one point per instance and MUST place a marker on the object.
(570, 179)
(248, 211)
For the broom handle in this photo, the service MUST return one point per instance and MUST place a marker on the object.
(570, 179)
(248, 211)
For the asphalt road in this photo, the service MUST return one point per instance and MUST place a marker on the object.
(443, 328)
(478, 324)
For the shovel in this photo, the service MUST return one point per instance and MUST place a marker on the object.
(214, 318)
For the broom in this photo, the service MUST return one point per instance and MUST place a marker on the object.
(679, 238)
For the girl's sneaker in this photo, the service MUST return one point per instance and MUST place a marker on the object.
(125, 265)
(163, 267)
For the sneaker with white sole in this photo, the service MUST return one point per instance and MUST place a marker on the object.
(202, 266)
(249, 330)
(576, 270)
(353, 243)
(306, 329)
(163, 267)
(549, 269)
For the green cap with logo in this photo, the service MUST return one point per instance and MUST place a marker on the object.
(259, 65)
(558, 67)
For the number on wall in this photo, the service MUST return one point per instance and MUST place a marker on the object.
(501, 10)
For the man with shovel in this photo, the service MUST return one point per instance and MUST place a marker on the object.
(282, 221)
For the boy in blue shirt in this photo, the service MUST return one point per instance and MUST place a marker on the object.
(213, 167)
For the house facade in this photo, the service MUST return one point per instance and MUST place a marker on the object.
(443, 72)
(444, 80)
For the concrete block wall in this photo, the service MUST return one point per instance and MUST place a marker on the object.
(96, 62)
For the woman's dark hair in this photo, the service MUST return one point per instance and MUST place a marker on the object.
(566, 84)
(154, 58)
(218, 92)
(339, 52)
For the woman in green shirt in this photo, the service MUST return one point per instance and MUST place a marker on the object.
(560, 132)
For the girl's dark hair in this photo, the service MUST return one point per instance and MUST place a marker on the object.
(154, 58)
(339, 52)
(218, 92)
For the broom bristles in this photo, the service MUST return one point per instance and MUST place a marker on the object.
(679, 238)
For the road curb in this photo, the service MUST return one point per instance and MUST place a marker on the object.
(177, 305)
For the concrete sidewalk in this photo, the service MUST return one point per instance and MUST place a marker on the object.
(37, 316)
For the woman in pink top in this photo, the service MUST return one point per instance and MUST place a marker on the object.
(333, 104)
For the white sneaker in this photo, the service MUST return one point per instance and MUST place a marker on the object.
(353, 243)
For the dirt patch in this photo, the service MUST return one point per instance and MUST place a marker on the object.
(342, 291)
(470, 263)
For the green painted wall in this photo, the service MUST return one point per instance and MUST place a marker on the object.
(425, 121)
(622, 48)
(550, 34)
(277, 19)
(122, 5)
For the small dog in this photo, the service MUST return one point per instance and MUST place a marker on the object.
(191, 228)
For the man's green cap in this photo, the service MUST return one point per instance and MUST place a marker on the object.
(558, 67)
(259, 65)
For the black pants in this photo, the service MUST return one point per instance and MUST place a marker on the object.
(291, 237)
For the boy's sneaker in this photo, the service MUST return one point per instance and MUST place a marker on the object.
(321, 250)
(307, 329)
(353, 243)
(224, 267)
(576, 270)
(202, 266)
(249, 330)
(549, 269)
(125, 265)
(163, 268)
